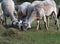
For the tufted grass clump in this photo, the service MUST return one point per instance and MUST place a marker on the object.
(11, 32)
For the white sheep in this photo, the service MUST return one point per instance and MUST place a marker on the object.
(8, 8)
(43, 8)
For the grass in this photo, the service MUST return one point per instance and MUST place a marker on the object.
(14, 36)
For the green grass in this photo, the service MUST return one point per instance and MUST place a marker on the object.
(14, 36)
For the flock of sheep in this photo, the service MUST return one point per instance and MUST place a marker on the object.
(28, 12)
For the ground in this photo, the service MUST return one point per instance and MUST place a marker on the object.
(31, 36)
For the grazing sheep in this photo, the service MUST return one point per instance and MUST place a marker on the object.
(35, 15)
(48, 8)
(8, 8)
(22, 11)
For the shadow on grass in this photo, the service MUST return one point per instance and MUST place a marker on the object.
(10, 26)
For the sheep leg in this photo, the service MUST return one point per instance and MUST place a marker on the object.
(45, 23)
(56, 20)
(37, 24)
(4, 20)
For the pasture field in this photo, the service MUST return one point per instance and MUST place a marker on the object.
(31, 36)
